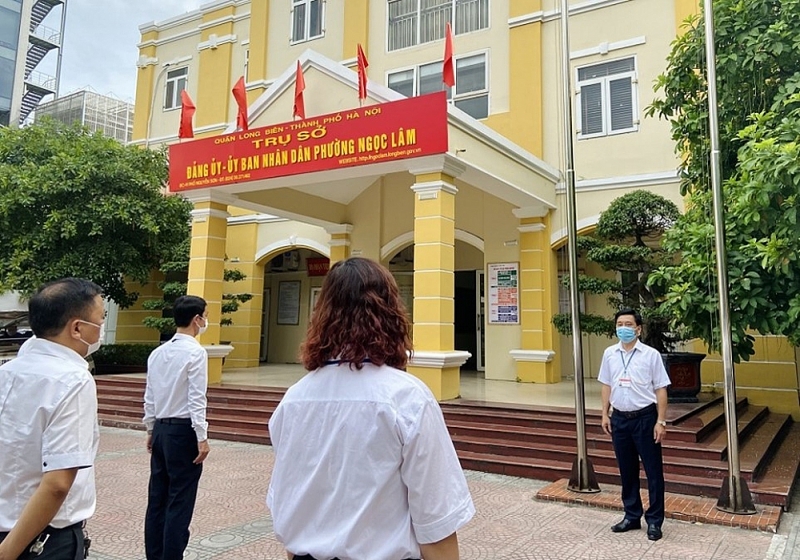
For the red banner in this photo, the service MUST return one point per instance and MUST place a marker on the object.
(403, 129)
(318, 266)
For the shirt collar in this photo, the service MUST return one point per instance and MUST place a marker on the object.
(637, 346)
(44, 347)
(181, 336)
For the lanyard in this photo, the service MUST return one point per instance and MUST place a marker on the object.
(624, 365)
(338, 362)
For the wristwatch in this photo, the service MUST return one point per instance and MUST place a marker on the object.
(662, 422)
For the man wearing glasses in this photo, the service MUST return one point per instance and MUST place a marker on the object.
(48, 426)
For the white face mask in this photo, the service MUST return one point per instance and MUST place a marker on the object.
(95, 346)
(204, 328)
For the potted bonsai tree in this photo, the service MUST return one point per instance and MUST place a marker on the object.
(627, 242)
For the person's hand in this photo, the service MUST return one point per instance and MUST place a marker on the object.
(202, 447)
(606, 424)
(149, 443)
(659, 433)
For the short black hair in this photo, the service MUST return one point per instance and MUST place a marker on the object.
(186, 308)
(58, 302)
(636, 316)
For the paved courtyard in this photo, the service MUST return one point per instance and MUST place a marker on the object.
(231, 521)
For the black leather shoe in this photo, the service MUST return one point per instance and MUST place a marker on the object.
(626, 525)
(653, 532)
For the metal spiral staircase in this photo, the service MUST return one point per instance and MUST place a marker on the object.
(41, 40)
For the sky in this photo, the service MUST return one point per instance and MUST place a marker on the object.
(100, 42)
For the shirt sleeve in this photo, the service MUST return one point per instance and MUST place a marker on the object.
(149, 418)
(605, 376)
(438, 496)
(660, 376)
(198, 384)
(68, 440)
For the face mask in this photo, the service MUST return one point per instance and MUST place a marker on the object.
(204, 328)
(95, 346)
(626, 334)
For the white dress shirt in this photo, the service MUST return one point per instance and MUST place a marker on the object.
(633, 376)
(177, 379)
(48, 422)
(364, 466)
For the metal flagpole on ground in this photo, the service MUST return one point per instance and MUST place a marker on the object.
(734, 496)
(583, 478)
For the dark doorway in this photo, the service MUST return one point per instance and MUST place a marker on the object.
(466, 317)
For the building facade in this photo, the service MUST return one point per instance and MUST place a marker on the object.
(99, 113)
(30, 30)
(453, 227)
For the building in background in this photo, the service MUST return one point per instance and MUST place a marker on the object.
(31, 33)
(460, 230)
(99, 113)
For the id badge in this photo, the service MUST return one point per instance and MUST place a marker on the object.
(625, 382)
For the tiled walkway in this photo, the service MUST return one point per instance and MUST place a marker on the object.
(232, 523)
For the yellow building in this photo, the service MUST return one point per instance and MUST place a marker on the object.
(459, 228)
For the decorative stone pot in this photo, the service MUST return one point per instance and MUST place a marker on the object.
(683, 369)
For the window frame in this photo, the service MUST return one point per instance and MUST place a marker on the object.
(176, 95)
(417, 42)
(452, 96)
(605, 89)
(307, 22)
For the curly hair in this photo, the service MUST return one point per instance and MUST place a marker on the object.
(359, 316)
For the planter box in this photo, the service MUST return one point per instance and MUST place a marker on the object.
(683, 369)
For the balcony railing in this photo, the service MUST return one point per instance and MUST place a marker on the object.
(47, 34)
(41, 80)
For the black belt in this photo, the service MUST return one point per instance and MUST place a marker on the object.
(184, 421)
(636, 413)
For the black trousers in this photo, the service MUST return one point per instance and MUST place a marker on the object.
(173, 489)
(633, 438)
(61, 544)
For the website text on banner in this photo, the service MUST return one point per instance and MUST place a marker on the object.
(403, 129)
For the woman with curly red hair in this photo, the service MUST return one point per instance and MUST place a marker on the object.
(364, 465)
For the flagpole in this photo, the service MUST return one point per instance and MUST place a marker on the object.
(582, 478)
(734, 495)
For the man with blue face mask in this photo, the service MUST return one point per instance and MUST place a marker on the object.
(634, 399)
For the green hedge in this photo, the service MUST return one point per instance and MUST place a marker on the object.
(123, 354)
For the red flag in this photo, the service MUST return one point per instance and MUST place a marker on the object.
(299, 87)
(185, 129)
(240, 95)
(362, 73)
(448, 74)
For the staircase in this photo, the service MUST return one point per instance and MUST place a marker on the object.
(536, 442)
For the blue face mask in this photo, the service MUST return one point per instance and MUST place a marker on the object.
(626, 334)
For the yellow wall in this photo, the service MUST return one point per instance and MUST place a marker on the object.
(770, 378)
(129, 321)
(684, 9)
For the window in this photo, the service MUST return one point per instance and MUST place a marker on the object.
(415, 22)
(607, 98)
(472, 89)
(176, 83)
(306, 20)
(471, 93)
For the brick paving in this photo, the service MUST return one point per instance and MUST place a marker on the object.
(231, 521)
(677, 506)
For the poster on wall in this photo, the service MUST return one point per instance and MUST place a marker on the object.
(503, 293)
(289, 303)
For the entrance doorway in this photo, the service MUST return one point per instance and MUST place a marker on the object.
(469, 318)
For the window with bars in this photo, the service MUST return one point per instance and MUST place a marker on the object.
(607, 101)
(415, 22)
(471, 92)
(307, 16)
(176, 83)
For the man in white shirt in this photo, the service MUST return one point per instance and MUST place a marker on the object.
(635, 387)
(175, 418)
(48, 426)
